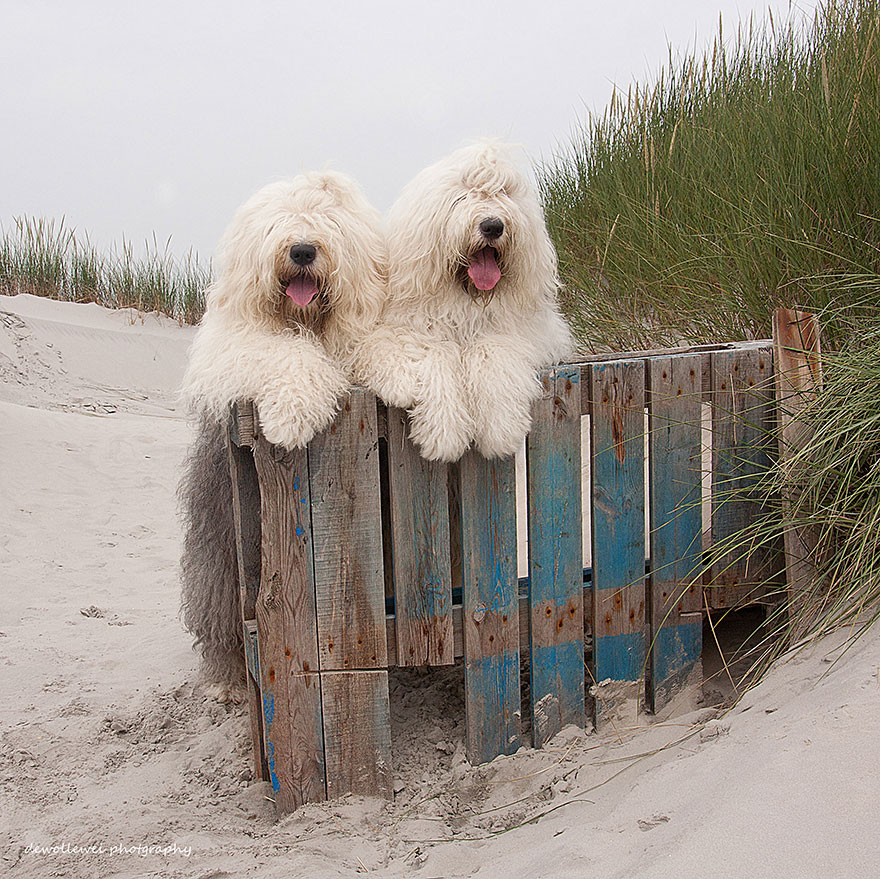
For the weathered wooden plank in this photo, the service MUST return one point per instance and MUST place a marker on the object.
(556, 591)
(490, 606)
(243, 427)
(742, 395)
(675, 462)
(617, 429)
(286, 623)
(420, 550)
(797, 372)
(246, 512)
(305, 740)
(347, 535)
(705, 352)
(357, 733)
(246, 515)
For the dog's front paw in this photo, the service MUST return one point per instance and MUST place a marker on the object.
(500, 431)
(290, 431)
(441, 433)
(290, 419)
(395, 387)
(502, 439)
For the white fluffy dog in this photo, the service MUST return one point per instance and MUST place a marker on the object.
(471, 313)
(301, 279)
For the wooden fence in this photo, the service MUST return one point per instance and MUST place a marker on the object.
(355, 555)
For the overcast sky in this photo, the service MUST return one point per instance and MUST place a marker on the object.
(131, 119)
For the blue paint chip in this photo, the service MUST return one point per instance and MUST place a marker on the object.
(299, 531)
(269, 707)
(270, 760)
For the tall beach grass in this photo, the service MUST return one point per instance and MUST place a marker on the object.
(48, 259)
(741, 179)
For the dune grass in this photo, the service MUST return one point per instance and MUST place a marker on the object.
(48, 259)
(740, 180)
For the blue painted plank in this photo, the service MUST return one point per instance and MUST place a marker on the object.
(556, 609)
(617, 435)
(675, 456)
(490, 606)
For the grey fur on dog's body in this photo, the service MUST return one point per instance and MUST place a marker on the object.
(209, 564)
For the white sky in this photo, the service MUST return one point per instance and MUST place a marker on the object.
(131, 119)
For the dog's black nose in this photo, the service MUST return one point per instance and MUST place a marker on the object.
(491, 228)
(303, 254)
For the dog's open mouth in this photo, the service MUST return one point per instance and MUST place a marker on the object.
(301, 288)
(483, 269)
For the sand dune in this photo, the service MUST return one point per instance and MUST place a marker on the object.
(106, 739)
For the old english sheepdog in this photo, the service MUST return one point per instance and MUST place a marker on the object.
(471, 312)
(301, 279)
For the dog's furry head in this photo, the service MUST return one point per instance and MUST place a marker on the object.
(308, 252)
(472, 222)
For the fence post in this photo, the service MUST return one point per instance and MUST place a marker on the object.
(246, 514)
(419, 512)
(556, 580)
(742, 433)
(798, 375)
(490, 606)
(350, 600)
(617, 438)
(675, 468)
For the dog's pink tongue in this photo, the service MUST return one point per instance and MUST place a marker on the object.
(302, 290)
(483, 269)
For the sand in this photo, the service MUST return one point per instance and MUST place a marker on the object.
(108, 743)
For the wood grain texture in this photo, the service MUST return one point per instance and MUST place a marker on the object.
(556, 593)
(705, 352)
(617, 428)
(305, 740)
(347, 534)
(490, 606)
(420, 550)
(742, 441)
(243, 427)
(675, 462)
(286, 625)
(357, 725)
(797, 372)
(246, 516)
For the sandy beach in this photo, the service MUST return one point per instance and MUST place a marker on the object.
(114, 763)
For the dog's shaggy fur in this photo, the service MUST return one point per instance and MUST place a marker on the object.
(471, 313)
(301, 278)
